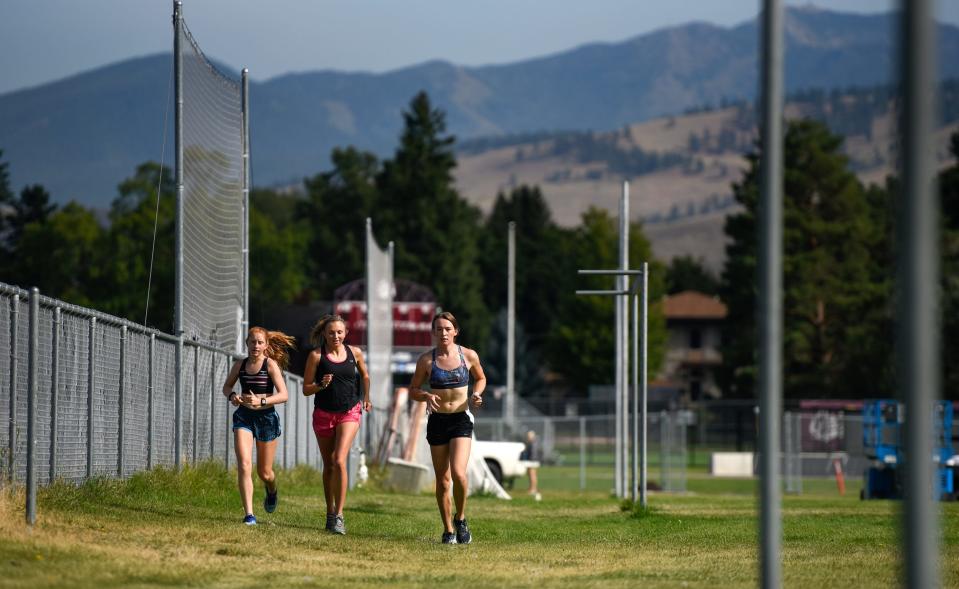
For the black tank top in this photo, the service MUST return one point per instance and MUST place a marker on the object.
(259, 383)
(344, 390)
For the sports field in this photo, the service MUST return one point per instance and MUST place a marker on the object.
(167, 529)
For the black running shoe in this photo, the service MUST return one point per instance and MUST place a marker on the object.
(463, 535)
(330, 520)
(449, 538)
(269, 503)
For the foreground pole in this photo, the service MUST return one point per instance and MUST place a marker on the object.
(770, 294)
(917, 343)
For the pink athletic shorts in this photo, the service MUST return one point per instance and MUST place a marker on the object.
(324, 422)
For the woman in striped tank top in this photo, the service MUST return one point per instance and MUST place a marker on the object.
(262, 387)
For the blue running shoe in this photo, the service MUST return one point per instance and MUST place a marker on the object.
(448, 538)
(250, 520)
(269, 504)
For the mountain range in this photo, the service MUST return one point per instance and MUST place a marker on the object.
(82, 135)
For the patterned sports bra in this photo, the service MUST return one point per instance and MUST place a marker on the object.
(440, 378)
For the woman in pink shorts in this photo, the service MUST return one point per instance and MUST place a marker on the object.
(336, 374)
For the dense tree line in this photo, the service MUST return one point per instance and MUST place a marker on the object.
(307, 243)
(838, 275)
(838, 260)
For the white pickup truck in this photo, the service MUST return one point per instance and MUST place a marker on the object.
(503, 460)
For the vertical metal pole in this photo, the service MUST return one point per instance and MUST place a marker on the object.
(788, 452)
(178, 405)
(150, 387)
(511, 327)
(634, 467)
(91, 383)
(620, 352)
(643, 381)
(245, 102)
(582, 453)
(286, 426)
(196, 402)
(624, 334)
(33, 360)
(14, 385)
(228, 430)
(213, 397)
(918, 350)
(797, 443)
(663, 453)
(770, 294)
(122, 399)
(54, 392)
(178, 148)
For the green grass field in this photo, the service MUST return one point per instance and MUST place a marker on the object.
(167, 529)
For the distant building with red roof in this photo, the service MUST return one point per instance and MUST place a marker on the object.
(694, 324)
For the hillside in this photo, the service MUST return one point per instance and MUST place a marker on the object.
(82, 135)
(680, 168)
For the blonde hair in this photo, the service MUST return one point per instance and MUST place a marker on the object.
(277, 344)
(316, 334)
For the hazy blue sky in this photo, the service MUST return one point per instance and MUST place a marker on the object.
(43, 40)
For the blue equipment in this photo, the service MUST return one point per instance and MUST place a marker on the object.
(882, 421)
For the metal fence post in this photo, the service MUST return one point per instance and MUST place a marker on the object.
(582, 453)
(122, 394)
(33, 359)
(14, 327)
(196, 401)
(178, 406)
(212, 400)
(286, 424)
(644, 382)
(150, 387)
(228, 430)
(54, 391)
(91, 385)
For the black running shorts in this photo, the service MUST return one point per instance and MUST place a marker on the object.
(443, 427)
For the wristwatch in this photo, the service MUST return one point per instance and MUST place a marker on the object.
(262, 401)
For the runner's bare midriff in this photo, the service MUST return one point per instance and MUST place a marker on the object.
(451, 400)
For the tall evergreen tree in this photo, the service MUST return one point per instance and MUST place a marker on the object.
(542, 277)
(834, 298)
(6, 207)
(434, 229)
(335, 211)
(949, 189)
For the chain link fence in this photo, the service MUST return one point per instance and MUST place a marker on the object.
(106, 399)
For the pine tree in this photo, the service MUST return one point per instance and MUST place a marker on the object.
(949, 303)
(835, 282)
(334, 213)
(434, 229)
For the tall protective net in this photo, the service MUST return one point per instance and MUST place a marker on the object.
(214, 208)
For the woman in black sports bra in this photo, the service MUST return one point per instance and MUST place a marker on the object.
(449, 430)
(255, 421)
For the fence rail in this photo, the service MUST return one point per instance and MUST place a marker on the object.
(98, 395)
